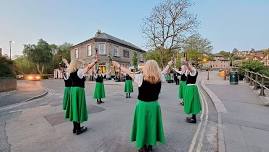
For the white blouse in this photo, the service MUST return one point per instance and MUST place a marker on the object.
(138, 79)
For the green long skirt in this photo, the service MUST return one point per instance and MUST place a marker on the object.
(77, 111)
(192, 102)
(66, 98)
(147, 124)
(128, 87)
(99, 91)
(182, 85)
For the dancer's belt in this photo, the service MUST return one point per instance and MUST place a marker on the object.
(190, 84)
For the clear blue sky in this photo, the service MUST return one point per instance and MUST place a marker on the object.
(228, 24)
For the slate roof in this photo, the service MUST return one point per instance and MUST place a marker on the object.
(105, 36)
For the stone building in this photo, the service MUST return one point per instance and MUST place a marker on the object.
(219, 62)
(107, 45)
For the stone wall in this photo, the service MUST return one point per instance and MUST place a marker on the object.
(8, 84)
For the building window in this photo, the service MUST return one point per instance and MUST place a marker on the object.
(126, 54)
(76, 53)
(89, 50)
(141, 57)
(115, 51)
(101, 48)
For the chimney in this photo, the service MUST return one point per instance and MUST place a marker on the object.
(98, 32)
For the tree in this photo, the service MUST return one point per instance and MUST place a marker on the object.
(24, 66)
(235, 50)
(196, 43)
(135, 60)
(161, 56)
(61, 51)
(6, 67)
(167, 26)
(225, 54)
(40, 54)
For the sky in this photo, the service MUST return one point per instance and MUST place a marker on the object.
(228, 24)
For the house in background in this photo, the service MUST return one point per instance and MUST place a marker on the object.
(107, 46)
(219, 62)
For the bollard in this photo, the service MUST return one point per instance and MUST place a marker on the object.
(262, 88)
(247, 77)
(251, 80)
(256, 82)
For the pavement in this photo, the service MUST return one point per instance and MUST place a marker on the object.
(234, 119)
(244, 118)
(40, 126)
(26, 91)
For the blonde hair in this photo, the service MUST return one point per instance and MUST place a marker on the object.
(73, 66)
(152, 72)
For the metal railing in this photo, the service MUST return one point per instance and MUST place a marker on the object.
(257, 80)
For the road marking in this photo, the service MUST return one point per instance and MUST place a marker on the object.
(200, 143)
(204, 112)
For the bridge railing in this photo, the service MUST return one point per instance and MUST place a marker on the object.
(259, 81)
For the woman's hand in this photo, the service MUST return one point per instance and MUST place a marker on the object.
(170, 62)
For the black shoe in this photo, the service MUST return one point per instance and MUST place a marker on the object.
(98, 102)
(144, 149)
(81, 130)
(102, 101)
(190, 120)
(149, 148)
(74, 131)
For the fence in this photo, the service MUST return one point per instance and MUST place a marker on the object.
(257, 80)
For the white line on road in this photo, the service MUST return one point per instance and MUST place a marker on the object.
(204, 112)
(200, 143)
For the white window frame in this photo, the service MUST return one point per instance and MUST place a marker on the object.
(141, 57)
(115, 51)
(76, 53)
(99, 48)
(128, 53)
(89, 50)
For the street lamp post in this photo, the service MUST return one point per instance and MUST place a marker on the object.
(10, 48)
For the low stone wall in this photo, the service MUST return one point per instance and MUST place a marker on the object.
(8, 84)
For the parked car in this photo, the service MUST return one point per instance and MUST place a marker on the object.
(32, 77)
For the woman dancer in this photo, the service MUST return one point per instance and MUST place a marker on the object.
(76, 110)
(67, 83)
(99, 91)
(128, 86)
(147, 127)
(182, 83)
(191, 97)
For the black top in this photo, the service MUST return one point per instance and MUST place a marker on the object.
(192, 79)
(149, 92)
(76, 81)
(99, 78)
(183, 77)
(68, 82)
(127, 77)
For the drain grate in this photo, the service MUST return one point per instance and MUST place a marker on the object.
(58, 118)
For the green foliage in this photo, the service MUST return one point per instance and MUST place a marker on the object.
(45, 57)
(197, 43)
(162, 56)
(265, 71)
(7, 68)
(255, 66)
(62, 51)
(40, 54)
(24, 66)
(135, 60)
(225, 54)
